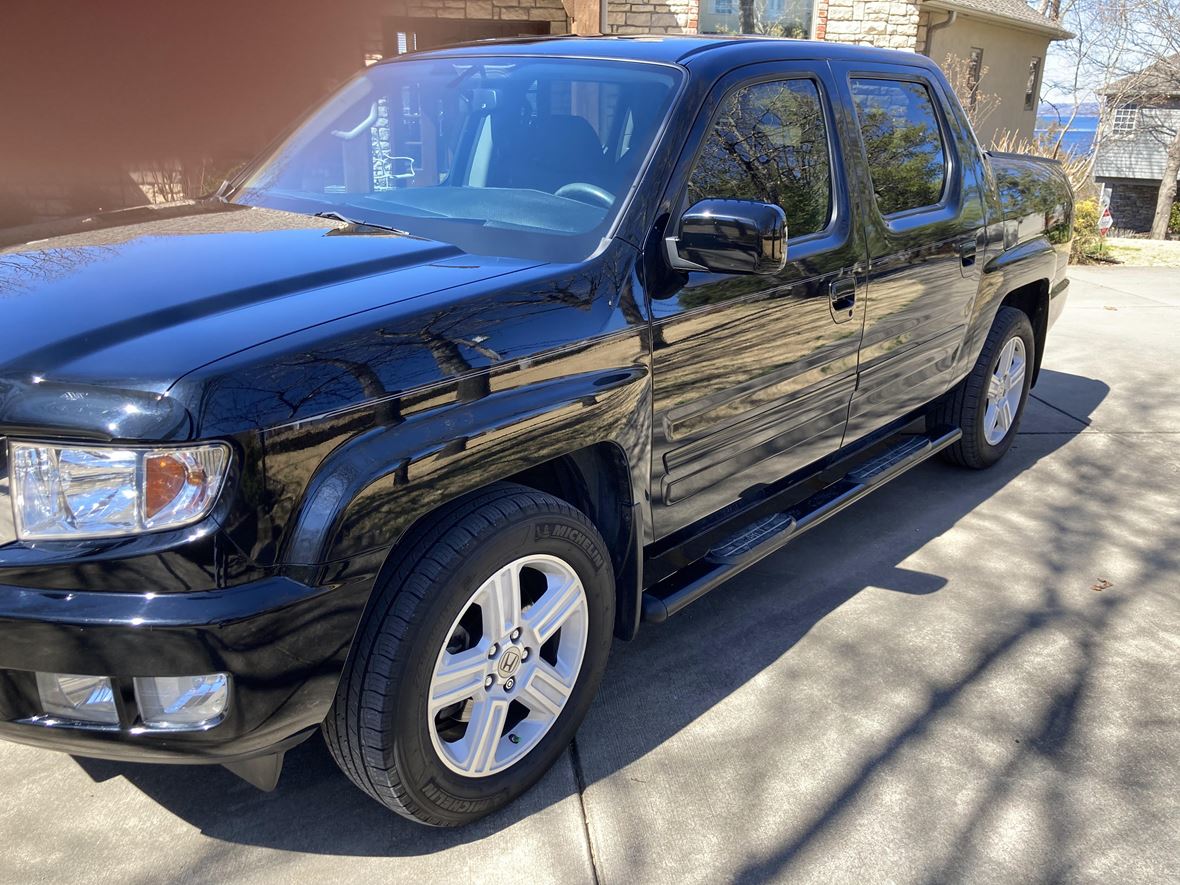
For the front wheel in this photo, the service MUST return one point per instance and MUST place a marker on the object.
(478, 659)
(988, 404)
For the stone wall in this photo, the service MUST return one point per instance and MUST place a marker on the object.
(623, 16)
(552, 11)
(888, 24)
(658, 17)
(1132, 203)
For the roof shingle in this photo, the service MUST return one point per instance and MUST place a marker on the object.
(1160, 78)
(1013, 10)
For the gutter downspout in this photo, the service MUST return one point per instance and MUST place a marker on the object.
(930, 29)
(602, 17)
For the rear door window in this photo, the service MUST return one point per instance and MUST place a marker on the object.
(903, 143)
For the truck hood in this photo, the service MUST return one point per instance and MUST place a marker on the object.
(131, 301)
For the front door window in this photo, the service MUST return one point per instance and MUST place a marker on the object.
(769, 144)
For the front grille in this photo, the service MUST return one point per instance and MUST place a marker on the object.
(7, 530)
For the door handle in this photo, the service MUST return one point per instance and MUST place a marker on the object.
(967, 252)
(842, 293)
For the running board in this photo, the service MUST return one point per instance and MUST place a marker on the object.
(764, 536)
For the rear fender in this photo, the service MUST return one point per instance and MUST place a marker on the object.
(1034, 261)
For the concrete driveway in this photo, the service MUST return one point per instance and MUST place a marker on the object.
(970, 676)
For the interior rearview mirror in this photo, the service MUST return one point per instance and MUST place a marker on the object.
(730, 236)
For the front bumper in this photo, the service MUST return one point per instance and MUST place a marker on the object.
(283, 643)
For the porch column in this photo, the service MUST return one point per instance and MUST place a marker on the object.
(586, 16)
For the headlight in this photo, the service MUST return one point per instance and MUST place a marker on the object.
(71, 492)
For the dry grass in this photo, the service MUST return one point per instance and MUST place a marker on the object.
(1079, 169)
(1144, 253)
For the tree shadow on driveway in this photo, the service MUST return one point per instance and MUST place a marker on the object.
(699, 658)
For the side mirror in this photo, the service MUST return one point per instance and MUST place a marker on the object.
(730, 236)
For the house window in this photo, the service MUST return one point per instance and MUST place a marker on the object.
(775, 18)
(974, 73)
(1032, 90)
(1124, 121)
(729, 7)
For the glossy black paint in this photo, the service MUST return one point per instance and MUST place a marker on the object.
(752, 376)
(283, 642)
(364, 378)
(922, 287)
(733, 236)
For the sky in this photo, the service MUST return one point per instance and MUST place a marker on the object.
(1058, 78)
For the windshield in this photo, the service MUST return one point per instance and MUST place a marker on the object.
(521, 157)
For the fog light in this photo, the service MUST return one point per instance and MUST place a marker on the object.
(78, 698)
(182, 702)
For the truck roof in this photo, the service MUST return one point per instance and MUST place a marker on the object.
(671, 49)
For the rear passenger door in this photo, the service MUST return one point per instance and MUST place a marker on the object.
(752, 375)
(925, 233)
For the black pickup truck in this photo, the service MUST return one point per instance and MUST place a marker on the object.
(504, 350)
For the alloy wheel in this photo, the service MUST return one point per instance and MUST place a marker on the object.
(1004, 391)
(508, 666)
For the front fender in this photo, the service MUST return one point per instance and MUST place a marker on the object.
(368, 492)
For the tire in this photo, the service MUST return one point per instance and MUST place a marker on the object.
(967, 405)
(429, 630)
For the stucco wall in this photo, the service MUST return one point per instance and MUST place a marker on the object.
(1007, 52)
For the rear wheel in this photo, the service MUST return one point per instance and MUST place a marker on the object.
(479, 656)
(988, 404)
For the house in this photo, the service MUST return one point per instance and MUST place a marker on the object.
(1139, 121)
(165, 99)
(1006, 38)
(1009, 39)
(1004, 42)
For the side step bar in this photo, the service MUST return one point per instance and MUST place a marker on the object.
(764, 536)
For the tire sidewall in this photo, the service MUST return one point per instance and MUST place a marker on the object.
(428, 779)
(1017, 325)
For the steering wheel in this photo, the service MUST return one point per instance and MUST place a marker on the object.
(579, 190)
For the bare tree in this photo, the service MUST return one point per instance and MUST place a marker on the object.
(749, 17)
(755, 17)
(1141, 40)
(1080, 70)
(1051, 9)
(964, 80)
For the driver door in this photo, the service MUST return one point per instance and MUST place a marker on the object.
(753, 375)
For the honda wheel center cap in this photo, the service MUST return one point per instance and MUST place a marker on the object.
(509, 662)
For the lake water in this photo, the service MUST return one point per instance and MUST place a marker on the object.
(1080, 138)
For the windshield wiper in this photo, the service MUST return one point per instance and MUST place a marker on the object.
(336, 216)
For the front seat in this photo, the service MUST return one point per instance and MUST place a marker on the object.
(558, 149)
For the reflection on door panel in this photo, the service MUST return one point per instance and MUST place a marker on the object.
(919, 298)
(752, 375)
